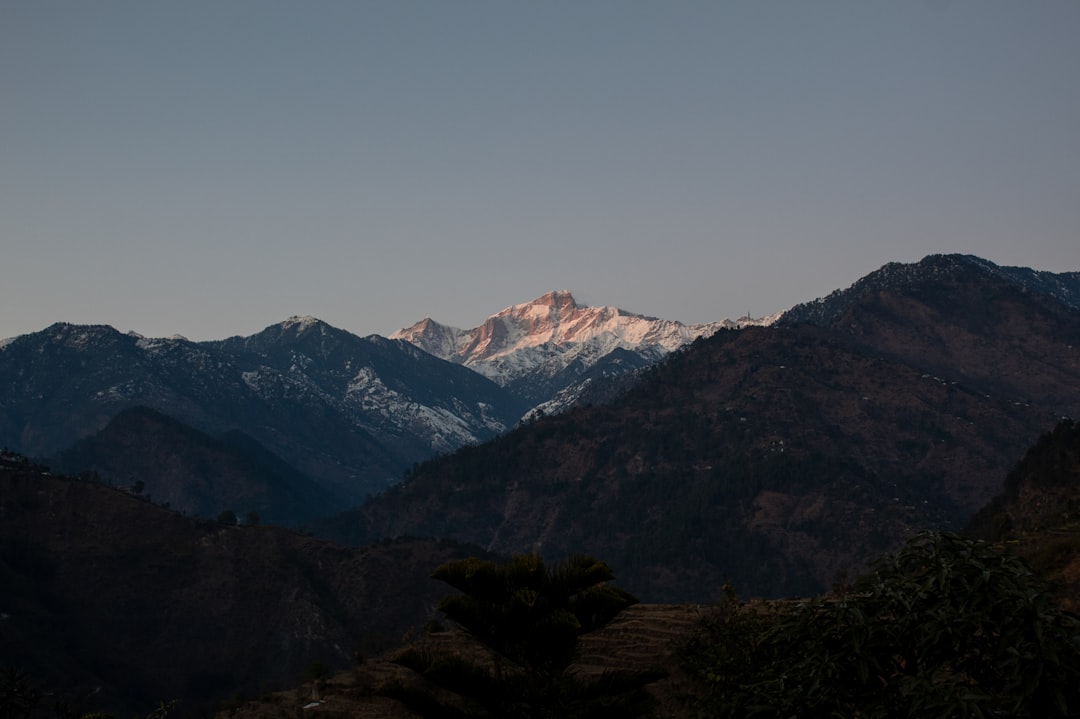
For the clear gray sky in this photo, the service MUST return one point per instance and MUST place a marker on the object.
(210, 167)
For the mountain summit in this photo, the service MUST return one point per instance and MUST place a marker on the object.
(938, 274)
(541, 347)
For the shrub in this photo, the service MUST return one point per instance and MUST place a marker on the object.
(947, 627)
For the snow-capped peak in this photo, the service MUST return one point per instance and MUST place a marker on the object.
(432, 337)
(543, 336)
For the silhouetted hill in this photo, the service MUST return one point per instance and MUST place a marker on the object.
(195, 473)
(774, 457)
(118, 604)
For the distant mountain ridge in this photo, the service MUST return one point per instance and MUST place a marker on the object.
(399, 391)
(352, 413)
(530, 347)
(961, 317)
(1062, 287)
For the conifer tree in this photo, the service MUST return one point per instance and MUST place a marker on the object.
(530, 617)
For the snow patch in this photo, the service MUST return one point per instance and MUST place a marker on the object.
(301, 322)
(444, 428)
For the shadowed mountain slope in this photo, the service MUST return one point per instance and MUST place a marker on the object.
(773, 457)
(1009, 331)
(351, 413)
(195, 473)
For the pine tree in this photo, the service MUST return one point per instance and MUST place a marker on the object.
(530, 617)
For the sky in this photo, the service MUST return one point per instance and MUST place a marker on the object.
(211, 167)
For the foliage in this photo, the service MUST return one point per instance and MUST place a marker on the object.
(18, 696)
(21, 699)
(529, 616)
(947, 627)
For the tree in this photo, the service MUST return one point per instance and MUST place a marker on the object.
(228, 517)
(947, 627)
(18, 697)
(529, 617)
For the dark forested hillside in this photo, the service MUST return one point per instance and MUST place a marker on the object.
(113, 603)
(194, 473)
(776, 458)
(1010, 332)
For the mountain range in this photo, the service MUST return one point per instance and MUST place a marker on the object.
(348, 415)
(931, 373)
(777, 458)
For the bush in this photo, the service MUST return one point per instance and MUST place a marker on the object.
(947, 627)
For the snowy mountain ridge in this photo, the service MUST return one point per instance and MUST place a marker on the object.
(543, 337)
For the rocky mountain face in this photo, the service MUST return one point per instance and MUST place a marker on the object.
(114, 604)
(351, 413)
(412, 402)
(544, 348)
(777, 458)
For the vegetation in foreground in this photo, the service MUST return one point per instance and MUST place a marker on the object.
(530, 617)
(946, 627)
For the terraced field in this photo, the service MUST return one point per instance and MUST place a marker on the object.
(641, 637)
